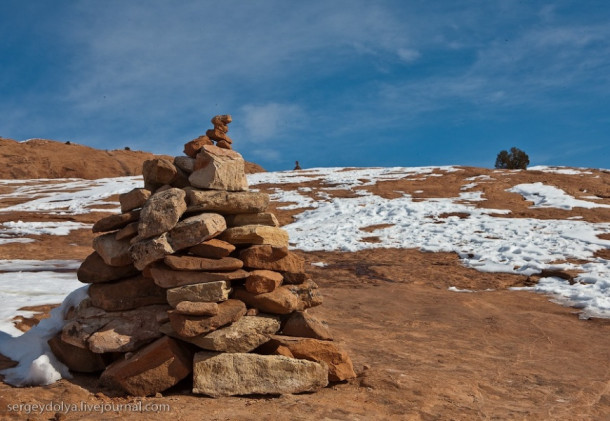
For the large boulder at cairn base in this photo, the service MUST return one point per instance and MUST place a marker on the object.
(152, 369)
(230, 374)
(219, 169)
(76, 358)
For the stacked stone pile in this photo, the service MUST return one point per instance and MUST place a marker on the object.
(195, 276)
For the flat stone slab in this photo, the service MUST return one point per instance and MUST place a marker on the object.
(153, 369)
(204, 292)
(230, 374)
(262, 281)
(195, 230)
(282, 300)
(169, 278)
(225, 202)
(126, 294)
(197, 308)
(112, 251)
(115, 222)
(339, 364)
(213, 249)
(279, 301)
(256, 234)
(188, 326)
(261, 218)
(271, 258)
(303, 324)
(94, 270)
(202, 263)
(245, 335)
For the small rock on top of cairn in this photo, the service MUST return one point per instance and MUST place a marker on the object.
(218, 134)
(195, 276)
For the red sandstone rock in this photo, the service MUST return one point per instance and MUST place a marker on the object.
(115, 222)
(261, 281)
(126, 294)
(213, 249)
(340, 365)
(193, 147)
(94, 270)
(152, 369)
(228, 312)
(272, 258)
(303, 324)
(202, 263)
(133, 199)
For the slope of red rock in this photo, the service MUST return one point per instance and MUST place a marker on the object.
(41, 158)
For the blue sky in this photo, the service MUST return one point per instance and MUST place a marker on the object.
(328, 83)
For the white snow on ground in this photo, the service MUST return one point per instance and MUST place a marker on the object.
(560, 170)
(37, 364)
(483, 241)
(33, 282)
(68, 196)
(545, 196)
(12, 231)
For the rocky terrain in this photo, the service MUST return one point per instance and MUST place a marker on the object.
(430, 336)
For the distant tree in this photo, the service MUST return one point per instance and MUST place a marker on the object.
(516, 159)
(127, 148)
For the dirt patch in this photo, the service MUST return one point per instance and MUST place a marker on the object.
(77, 245)
(420, 352)
(372, 228)
(40, 312)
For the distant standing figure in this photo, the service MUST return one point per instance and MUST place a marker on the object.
(297, 166)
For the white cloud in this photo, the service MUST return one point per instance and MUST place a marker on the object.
(408, 55)
(267, 122)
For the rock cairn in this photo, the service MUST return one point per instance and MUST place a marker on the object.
(195, 277)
